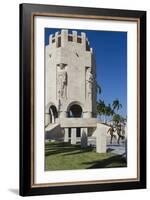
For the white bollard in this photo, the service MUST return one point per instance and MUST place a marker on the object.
(73, 136)
(101, 138)
(66, 136)
(84, 138)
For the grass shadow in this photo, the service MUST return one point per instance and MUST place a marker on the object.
(109, 150)
(88, 149)
(62, 148)
(106, 163)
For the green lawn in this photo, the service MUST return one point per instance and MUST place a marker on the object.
(64, 156)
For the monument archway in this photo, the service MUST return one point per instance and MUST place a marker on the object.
(75, 111)
(53, 113)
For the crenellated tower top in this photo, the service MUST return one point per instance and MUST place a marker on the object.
(61, 39)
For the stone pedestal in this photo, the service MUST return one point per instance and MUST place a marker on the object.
(101, 139)
(84, 138)
(73, 136)
(66, 136)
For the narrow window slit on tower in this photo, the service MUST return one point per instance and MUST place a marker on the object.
(59, 42)
(87, 46)
(53, 40)
(70, 38)
(78, 39)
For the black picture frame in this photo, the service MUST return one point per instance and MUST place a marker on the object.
(27, 12)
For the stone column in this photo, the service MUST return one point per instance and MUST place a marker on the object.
(66, 136)
(53, 119)
(50, 39)
(64, 37)
(101, 139)
(84, 138)
(74, 33)
(56, 38)
(73, 136)
(83, 38)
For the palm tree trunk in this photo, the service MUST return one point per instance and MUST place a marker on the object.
(105, 118)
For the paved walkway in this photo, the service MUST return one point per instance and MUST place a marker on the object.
(115, 147)
(118, 149)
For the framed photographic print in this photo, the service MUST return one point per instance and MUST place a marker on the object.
(82, 99)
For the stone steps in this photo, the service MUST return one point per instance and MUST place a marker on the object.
(54, 132)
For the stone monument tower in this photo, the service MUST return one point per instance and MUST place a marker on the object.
(70, 85)
(70, 91)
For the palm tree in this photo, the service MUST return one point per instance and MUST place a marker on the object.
(116, 119)
(116, 105)
(123, 120)
(105, 112)
(100, 107)
(108, 110)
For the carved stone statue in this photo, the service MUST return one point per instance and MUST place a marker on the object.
(62, 81)
(89, 82)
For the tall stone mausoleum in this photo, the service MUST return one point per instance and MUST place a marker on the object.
(70, 77)
(70, 92)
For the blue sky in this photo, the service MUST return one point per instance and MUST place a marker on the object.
(110, 49)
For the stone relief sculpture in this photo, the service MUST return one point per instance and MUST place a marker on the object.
(89, 82)
(62, 81)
